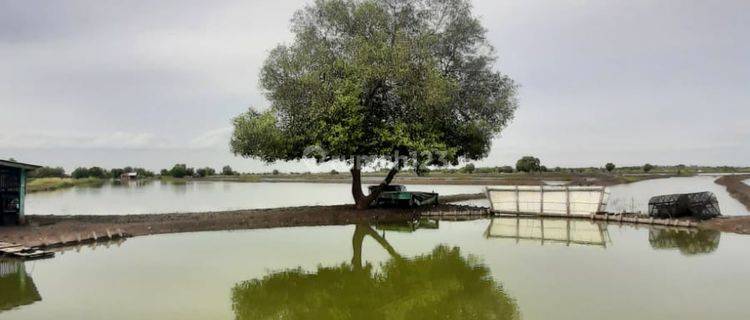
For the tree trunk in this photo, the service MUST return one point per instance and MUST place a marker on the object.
(362, 230)
(361, 201)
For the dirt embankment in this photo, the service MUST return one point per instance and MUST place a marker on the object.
(53, 230)
(735, 224)
(737, 188)
(740, 191)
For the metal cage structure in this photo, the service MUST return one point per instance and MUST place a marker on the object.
(547, 200)
(699, 205)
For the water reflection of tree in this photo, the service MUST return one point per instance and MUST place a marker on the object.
(438, 285)
(689, 242)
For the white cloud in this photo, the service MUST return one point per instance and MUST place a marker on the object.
(217, 138)
(113, 140)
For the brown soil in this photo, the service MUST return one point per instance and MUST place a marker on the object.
(739, 225)
(49, 230)
(737, 188)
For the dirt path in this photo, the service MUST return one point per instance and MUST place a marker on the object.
(50, 230)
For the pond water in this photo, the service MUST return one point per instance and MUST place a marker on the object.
(484, 269)
(633, 197)
(164, 197)
(195, 196)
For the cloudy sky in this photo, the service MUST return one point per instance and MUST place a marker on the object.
(151, 83)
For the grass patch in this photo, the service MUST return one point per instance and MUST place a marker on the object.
(49, 184)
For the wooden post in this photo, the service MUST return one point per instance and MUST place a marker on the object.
(541, 220)
(541, 199)
(567, 199)
(601, 199)
(22, 197)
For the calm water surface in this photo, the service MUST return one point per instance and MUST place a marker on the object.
(484, 269)
(634, 197)
(165, 197)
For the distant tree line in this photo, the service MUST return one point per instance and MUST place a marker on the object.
(181, 170)
(48, 172)
(90, 172)
(115, 173)
(531, 164)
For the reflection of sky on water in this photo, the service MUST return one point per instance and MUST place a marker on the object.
(667, 274)
(163, 197)
(634, 196)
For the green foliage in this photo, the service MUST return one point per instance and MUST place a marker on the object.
(227, 171)
(97, 172)
(374, 78)
(439, 285)
(47, 172)
(468, 168)
(528, 164)
(80, 173)
(116, 173)
(647, 167)
(164, 173)
(179, 171)
(422, 170)
(609, 166)
(275, 172)
(55, 183)
(334, 172)
(689, 242)
(505, 169)
(143, 173)
(204, 172)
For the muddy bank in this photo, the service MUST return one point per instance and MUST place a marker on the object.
(738, 189)
(51, 230)
(739, 225)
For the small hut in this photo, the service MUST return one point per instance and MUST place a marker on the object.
(699, 205)
(13, 191)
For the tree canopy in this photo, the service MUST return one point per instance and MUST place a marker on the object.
(609, 166)
(369, 80)
(529, 164)
(376, 77)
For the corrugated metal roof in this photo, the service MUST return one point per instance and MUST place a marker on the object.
(20, 165)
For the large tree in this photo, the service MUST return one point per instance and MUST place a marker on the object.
(407, 82)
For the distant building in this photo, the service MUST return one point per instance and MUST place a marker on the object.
(13, 191)
(127, 176)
